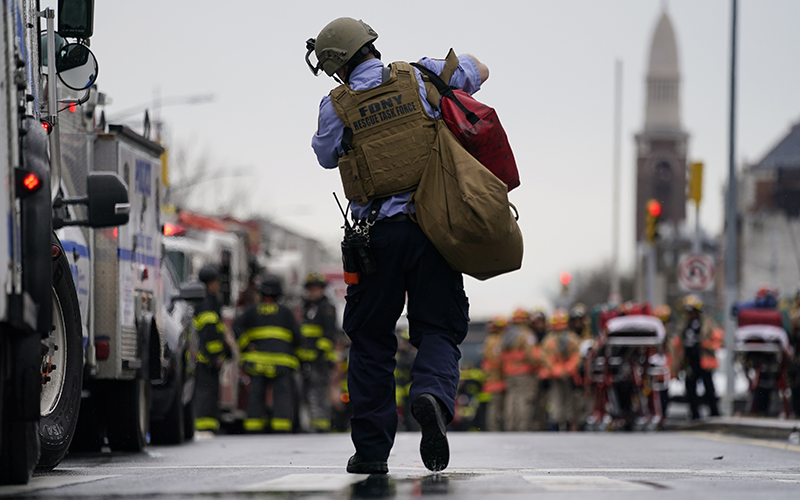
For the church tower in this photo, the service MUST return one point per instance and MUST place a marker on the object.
(661, 145)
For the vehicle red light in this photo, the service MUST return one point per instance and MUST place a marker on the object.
(48, 127)
(55, 252)
(31, 182)
(565, 278)
(115, 232)
(654, 208)
(102, 349)
(72, 107)
(174, 229)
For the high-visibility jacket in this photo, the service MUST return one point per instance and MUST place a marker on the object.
(492, 364)
(318, 331)
(210, 332)
(267, 334)
(516, 351)
(560, 356)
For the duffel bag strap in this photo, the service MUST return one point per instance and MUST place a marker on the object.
(436, 88)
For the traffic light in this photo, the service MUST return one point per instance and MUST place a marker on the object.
(565, 278)
(652, 220)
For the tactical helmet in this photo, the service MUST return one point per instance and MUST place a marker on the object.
(496, 324)
(338, 42)
(520, 316)
(538, 313)
(270, 286)
(208, 273)
(316, 279)
(560, 319)
(692, 303)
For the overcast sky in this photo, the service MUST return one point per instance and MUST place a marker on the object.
(552, 78)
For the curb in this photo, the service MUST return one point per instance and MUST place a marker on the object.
(754, 427)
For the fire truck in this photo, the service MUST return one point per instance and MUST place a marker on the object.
(41, 329)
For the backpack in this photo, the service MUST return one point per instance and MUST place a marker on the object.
(475, 125)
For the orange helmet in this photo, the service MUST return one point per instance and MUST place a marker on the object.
(663, 312)
(559, 319)
(766, 291)
(520, 316)
(496, 324)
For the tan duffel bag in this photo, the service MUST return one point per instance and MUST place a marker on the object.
(464, 210)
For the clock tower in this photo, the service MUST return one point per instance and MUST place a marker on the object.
(661, 145)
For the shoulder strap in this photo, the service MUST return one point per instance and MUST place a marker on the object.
(437, 85)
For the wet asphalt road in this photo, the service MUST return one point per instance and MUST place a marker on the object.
(483, 465)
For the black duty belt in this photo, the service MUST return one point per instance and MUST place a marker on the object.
(401, 217)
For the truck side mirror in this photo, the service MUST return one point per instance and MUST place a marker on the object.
(191, 292)
(107, 200)
(76, 66)
(76, 18)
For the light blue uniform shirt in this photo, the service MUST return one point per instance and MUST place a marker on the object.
(327, 142)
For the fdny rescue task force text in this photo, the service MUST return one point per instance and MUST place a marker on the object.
(381, 111)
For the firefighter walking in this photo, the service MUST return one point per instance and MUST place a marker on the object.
(492, 365)
(539, 327)
(700, 338)
(316, 354)
(522, 386)
(268, 335)
(212, 351)
(560, 365)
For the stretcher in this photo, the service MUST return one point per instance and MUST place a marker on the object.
(627, 369)
(764, 352)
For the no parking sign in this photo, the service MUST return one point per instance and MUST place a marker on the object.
(696, 272)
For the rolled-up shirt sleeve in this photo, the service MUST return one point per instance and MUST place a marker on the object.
(327, 142)
(466, 77)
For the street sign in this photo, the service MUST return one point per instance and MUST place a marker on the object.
(696, 272)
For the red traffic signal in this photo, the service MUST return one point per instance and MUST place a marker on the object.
(654, 208)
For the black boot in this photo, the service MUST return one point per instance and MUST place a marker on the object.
(433, 448)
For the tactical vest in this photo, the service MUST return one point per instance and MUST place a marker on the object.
(392, 136)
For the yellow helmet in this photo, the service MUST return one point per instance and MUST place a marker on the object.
(520, 316)
(339, 42)
(692, 302)
(496, 324)
(559, 319)
(316, 279)
(663, 312)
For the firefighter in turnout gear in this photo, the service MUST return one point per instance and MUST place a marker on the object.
(379, 130)
(561, 365)
(519, 372)
(492, 365)
(539, 327)
(700, 338)
(212, 351)
(316, 354)
(268, 335)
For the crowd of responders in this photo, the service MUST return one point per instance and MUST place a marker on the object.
(620, 368)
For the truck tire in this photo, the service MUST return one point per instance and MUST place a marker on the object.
(19, 438)
(62, 367)
(170, 429)
(90, 432)
(128, 412)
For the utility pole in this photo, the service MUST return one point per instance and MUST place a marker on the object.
(731, 225)
(615, 294)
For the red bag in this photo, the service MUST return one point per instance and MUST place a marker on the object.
(475, 125)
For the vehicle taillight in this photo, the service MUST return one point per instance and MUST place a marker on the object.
(48, 127)
(31, 182)
(102, 349)
(174, 229)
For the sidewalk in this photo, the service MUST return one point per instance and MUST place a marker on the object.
(755, 427)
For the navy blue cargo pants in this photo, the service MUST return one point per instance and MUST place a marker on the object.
(438, 317)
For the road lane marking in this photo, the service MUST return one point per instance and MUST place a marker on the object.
(48, 482)
(585, 483)
(307, 482)
(740, 440)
